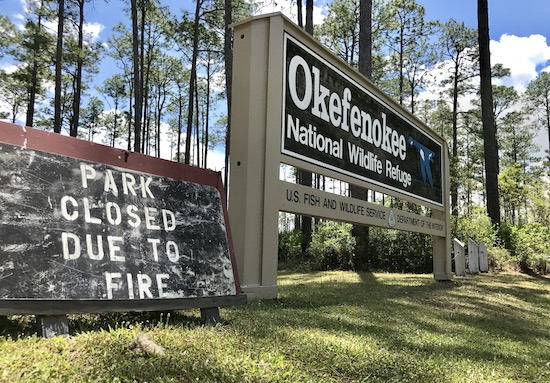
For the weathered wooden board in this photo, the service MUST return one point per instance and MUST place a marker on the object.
(76, 229)
(473, 256)
(460, 262)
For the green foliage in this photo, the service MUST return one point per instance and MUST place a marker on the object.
(505, 235)
(290, 248)
(512, 185)
(340, 29)
(8, 34)
(537, 96)
(332, 246)
(13, 93)
(532, 245)
(477, 225)
(399, 251)
(500, 259)
(510, 247)
(539, 198)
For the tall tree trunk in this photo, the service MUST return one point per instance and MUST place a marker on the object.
(300, 16)
(58, 68)
(33, 88)
(305, 177)
(78, 80)
(146, 144)
(157, 138)
(488, 120)
(228, 56)
(32, 93)
(145, 72)
(197, 126)
(138, 95)
(454, 154)
(309, 17)
(207, 111)
(401, 64)
(180, 119)
(365, 38)
(129, 117)
(161, 99)
(192, 81)
(361, 232)
(115, 127)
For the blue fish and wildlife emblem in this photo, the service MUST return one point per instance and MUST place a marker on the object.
(426, 158)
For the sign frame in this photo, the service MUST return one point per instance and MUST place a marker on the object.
(257, 117)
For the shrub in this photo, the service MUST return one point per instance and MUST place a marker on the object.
(399, 251)
(506, 235)
(477, 225)
(532, 244)
(501, 260)
(332, 246)
(290, 248)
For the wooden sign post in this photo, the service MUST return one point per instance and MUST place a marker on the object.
(473, 256)
(460, 260)
(89, 228)
(483, 258)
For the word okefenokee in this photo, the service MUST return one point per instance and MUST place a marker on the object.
(340, 111)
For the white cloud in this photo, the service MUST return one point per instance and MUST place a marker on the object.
(8, 68)
(522, 55)
(93, 30)
(216, 160)
(288, 8)
(319, 14)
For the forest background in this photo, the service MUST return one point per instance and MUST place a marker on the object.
(73, 78)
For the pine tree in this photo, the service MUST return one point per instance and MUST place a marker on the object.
(488, 118)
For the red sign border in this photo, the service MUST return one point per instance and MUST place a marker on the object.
(34, 139)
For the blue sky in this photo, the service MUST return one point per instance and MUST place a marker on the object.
(518, 30)
(525, 54)
(520, 18)
(524, 19)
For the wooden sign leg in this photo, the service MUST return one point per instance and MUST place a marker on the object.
(52, 325)
(210, 316)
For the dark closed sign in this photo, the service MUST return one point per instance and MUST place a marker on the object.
(75, 229)
(334, 122)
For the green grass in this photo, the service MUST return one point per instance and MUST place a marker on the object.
(325, 327)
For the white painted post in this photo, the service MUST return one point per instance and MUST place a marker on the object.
(473, 256)
(460, 260)
(483, 258)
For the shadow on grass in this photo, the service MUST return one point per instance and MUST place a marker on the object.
(148, 319)
(21, 326)
(17, 326)
(468, 319)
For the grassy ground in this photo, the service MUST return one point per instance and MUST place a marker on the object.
(325, 327)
